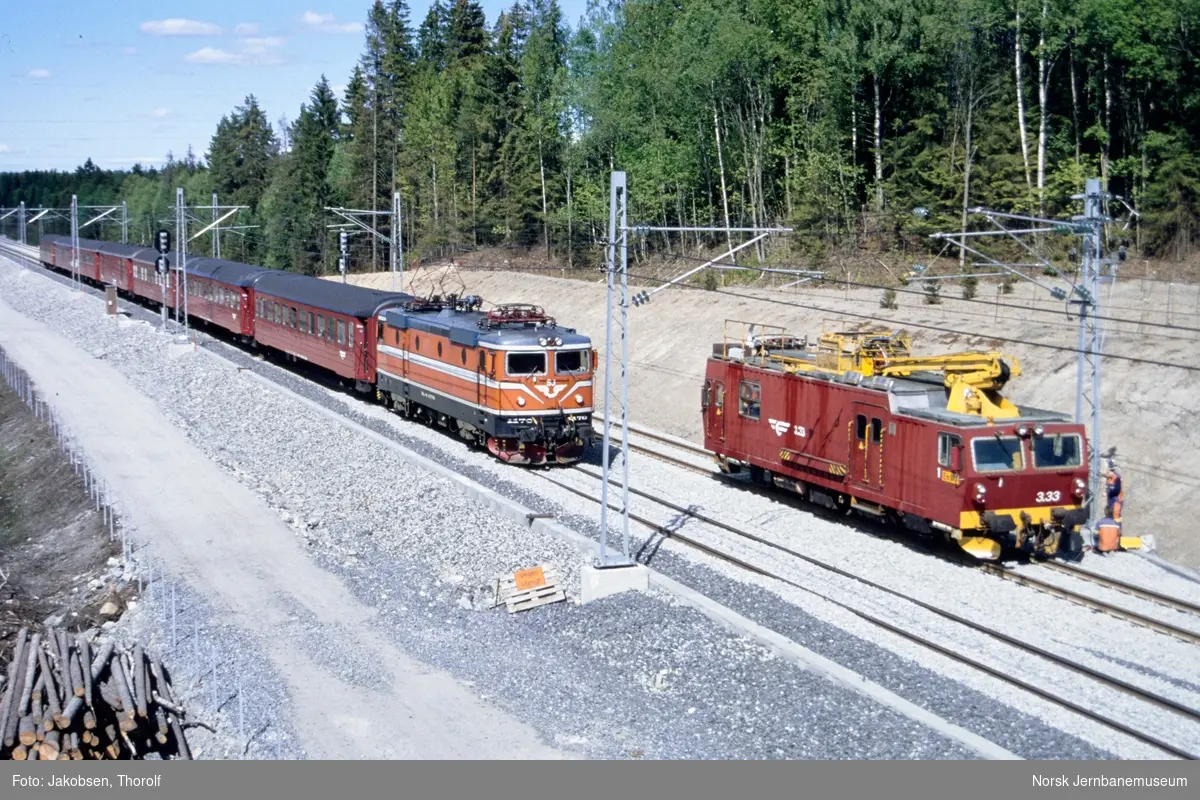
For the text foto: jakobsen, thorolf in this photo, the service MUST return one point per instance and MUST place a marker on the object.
(83, 781)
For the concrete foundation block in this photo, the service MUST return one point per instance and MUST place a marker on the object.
(598, 583)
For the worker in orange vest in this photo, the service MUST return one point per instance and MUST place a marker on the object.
(1116, 493)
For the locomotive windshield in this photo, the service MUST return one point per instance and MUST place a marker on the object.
(997, 453)
(526, 363)
(1057, 450)
(570, 361)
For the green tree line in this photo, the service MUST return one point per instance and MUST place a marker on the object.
(836, 117)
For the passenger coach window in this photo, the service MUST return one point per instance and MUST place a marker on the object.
(997, 453)
(567, 362)
(749, 399)
(341, 332)
(1057, 450)
(320, 325)
(350, 335)
(947, 442)
(526, 363)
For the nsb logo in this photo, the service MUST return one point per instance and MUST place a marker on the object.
(780, 427)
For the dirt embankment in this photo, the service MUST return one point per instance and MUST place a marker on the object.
(1148, 409)
(54, 547)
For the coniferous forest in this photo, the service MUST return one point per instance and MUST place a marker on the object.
(835, 117)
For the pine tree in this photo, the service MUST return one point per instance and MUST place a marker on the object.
(240, 158)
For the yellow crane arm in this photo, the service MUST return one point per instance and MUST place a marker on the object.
(973, 380)
(985, 371)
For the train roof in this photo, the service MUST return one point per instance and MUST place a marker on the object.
(913, 396)
(340, 298)
(471, 329)
(233, 273)
(122, 250)
(84, 244)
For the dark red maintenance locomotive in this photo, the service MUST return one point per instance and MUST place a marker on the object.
(856, 422)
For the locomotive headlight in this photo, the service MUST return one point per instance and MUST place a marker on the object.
(980, 491)
(579, 399)
(1038, 430)
(1080, 486)
(521, 401)
(1022, 431)
(557, 342)
(542, 341)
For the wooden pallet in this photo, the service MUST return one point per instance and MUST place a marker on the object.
(529, 588)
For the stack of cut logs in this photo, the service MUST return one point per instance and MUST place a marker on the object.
(64, 702)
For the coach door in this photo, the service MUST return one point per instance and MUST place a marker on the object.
(867, 434)
(713, 402)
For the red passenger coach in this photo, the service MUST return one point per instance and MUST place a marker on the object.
(221, 293)
(331, 325)
(147, 283)
(58, 248)
(858, 423)
(116, 264)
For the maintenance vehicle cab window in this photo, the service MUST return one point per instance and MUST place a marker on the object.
(997, 453)
(567, 362)
(1056, 450)
(947, 444)
(526, 364)
(749, 399)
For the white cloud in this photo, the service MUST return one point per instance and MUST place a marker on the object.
(253, 52)
(130, 51)
(325, 23)
(179, 27)
(256, 45)
(246, 29)
(39, 74)
(3, 148)
(213, 55)
(159, 113)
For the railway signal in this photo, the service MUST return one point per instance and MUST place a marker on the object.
(162, 242)
(162, 265)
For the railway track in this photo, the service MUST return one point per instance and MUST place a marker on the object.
(1185, 634)
(1185, 712)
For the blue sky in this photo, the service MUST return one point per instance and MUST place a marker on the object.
(124, 82)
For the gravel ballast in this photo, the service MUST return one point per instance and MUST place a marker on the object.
(630, 676)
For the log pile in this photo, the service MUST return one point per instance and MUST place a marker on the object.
(63, 701)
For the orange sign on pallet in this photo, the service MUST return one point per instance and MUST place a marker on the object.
(527, 579)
